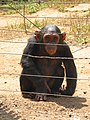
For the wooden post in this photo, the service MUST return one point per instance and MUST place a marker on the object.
(24, 19)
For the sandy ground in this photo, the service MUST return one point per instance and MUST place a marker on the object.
(14, 107)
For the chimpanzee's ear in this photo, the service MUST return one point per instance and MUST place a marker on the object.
(37, 35)
(63, 36)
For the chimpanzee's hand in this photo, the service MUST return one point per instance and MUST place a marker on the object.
(66, 91)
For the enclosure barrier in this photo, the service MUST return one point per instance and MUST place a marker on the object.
(10, 6)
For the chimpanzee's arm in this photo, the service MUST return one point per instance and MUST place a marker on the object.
(71, 72)
(26, 60)
(29, 66)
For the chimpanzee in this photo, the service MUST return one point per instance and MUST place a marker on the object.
(52, 47)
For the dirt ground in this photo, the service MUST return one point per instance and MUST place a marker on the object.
(14, 107)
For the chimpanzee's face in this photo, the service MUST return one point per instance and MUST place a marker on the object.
(51, 38)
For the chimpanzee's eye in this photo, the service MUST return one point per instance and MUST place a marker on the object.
(47, 39)
(55, 39)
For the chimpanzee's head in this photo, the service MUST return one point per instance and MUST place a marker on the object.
(51, 35)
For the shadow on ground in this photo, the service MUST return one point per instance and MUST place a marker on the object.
(7, 114)
(69, 102)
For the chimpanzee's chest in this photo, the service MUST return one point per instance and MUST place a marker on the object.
(46, 66)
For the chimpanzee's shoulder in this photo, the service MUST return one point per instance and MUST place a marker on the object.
(65, 46)
(32, 39)
(64, 49)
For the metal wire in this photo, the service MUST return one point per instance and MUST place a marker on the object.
(42, 57)
(9, 41)
(47, 94)
(56, 95)
(59, 95)
(56, 2)
(30, 33)
(81, 47)
(40, 2)
(45, 76)
(37, 43)
(47, 17)
(3, 29)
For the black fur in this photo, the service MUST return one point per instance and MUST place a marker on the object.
(48, 67)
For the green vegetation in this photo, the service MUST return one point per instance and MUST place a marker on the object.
(79, 28)
(32, 7)
(81, 32)
(29, 8)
